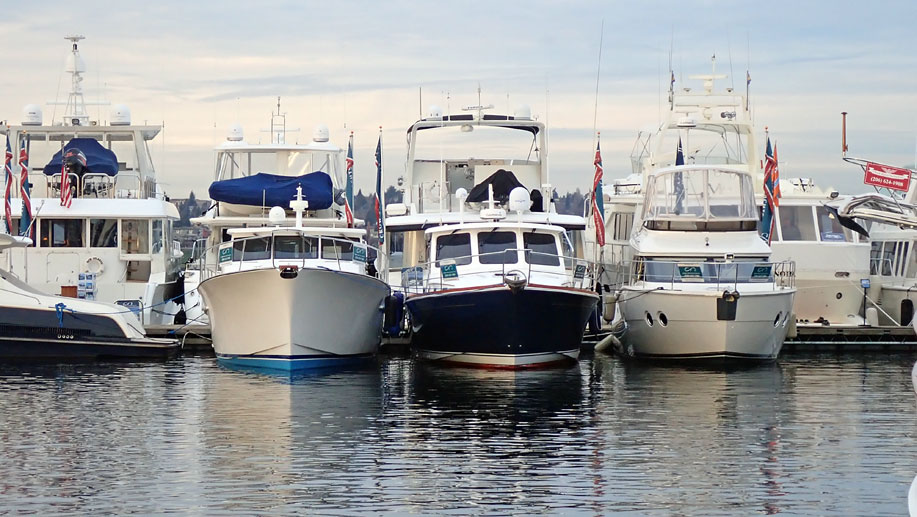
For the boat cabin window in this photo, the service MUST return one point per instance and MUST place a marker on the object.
(700, 200)
(295, 247)
(705, 272)
(621, 225)
(540, 249)
(337, 248)
(62, 233)
(157, 235)
(497, 247)
(455, 246)
(888, 258)
(829, 228)
(406, 249)
(135, 236)
(103, 233)
(796, 223)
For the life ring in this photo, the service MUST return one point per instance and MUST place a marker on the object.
(95, 265)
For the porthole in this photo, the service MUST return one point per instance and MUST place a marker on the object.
(777, 319)
(649, 319)
(839, 296)
(663, 319)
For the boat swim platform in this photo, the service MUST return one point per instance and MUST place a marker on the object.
(190, 336)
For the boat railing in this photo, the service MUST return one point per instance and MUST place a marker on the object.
(720, 275)
(126, 185)
(210, 260)
(881, 266)
(535, 268)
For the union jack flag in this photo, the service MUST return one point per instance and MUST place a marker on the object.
(598, 204)
(766, 228)
(380, 224)
(25, 220)
(66, 198)
(9, 185)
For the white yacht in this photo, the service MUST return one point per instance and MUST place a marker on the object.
(112, 240)
(701, 284)
(490, 273)
(831, 260)
(41, 327)
(279, 293)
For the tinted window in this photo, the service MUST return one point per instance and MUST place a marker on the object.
(543, 249)
(336, 249)
(62, 233)
(492, 247)
(103, 233)
(295, 247)
(796, 223)
(829, 228)
(456, 246)
(258, 248)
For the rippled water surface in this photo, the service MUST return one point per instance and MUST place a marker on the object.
(809, 435)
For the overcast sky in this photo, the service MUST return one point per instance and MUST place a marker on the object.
(198, 67)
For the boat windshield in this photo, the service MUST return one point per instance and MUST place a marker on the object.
(700, 199)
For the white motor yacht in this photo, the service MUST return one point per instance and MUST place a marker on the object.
(112, 241)
(490, 275)
(284, 293)
(701, 284)
(35, 326)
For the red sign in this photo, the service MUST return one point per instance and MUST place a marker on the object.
(887, 176)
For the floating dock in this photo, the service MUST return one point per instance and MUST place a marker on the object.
(190, 336)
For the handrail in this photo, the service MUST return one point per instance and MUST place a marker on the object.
(427, 281)
(781, 274)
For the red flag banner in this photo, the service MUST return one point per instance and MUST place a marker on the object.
(887, 176)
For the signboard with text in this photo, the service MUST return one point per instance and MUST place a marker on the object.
(887, 176)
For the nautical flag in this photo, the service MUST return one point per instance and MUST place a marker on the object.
(598, 204)
(65, 195)
(380, 224)
(679, 181)
(8, 209)
(776, 177)
(349, 161)
(348, 213)
(747, 78)
(25, 188)
(766, 227)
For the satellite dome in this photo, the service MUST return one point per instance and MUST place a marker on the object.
(276, 215)
(235, 133)
(519, 199)
(120, 115)
(321, 133)
(31, 115)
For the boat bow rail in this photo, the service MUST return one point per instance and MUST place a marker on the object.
(714, 275)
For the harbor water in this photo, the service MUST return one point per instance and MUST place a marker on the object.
(813, 434)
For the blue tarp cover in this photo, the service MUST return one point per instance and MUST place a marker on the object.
(264, 189)
(99, 160)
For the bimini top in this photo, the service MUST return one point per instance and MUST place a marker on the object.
(99, 160)
(700, 197)
(268, 190)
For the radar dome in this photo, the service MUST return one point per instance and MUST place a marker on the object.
(74, 64)
(321, 133)
(461, 194)
(523, 112)
(31, 115)
(519, 199)
(120, 115)
(235, 133)
(276, 215)
(434, 111)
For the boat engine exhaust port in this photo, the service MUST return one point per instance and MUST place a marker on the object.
(289, 272)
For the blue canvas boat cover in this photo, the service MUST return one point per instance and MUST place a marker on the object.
(99, 160)
(264, 189)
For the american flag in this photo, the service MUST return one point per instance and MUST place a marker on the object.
(380, 224)
(9, 185)
(65, 195)
(598, 204)
(25, 220)
(766, 229)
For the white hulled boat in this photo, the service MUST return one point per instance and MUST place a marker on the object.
(490, 275)
(286, 294)
(701, 284)
(114, 243)
(35, 326)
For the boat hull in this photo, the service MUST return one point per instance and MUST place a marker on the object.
(320, 318)
(686, 325)
(495, 327)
